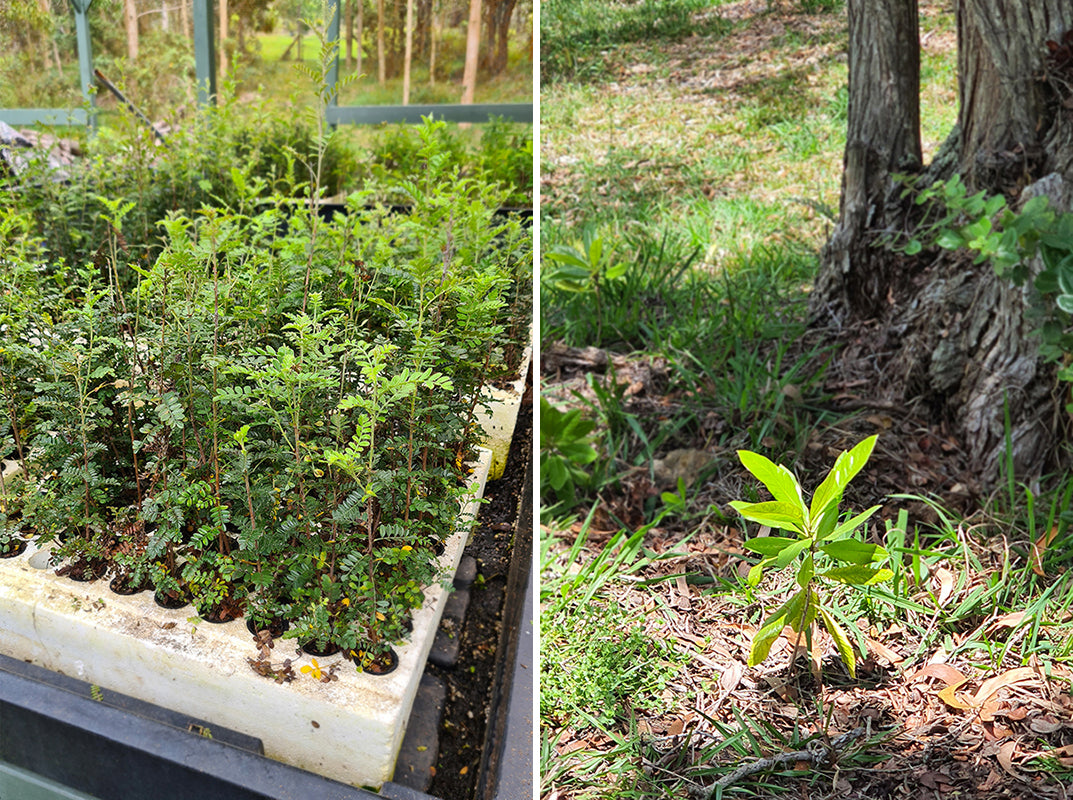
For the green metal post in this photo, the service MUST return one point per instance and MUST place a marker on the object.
(85, 51)
(205, 51)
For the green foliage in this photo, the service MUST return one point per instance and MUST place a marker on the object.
(613, 665)
(565, 449)
(820, 540)
(582, 268)
(266, 409)
(1010, 241)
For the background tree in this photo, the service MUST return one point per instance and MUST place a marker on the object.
(497, 17)
(473, 41)
(130, 21)
(946, 334)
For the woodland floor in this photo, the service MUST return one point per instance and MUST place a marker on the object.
(936, 726)
(950, 700)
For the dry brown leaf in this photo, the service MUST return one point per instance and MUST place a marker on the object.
(993, 780)
(1063, 755)
(684, 603)
(946, 584)
(1017, 714)
(731, 676)
(1039, 547)
(1007, 678)
(1011, 620)
(943, 672)
(882, 651)
(989, 710)
(676, 727)
(1045, 724)
(996, 730)
(1005, 755)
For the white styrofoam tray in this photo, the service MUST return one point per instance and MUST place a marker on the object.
(349, 730)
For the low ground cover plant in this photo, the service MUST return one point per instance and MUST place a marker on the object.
(269, 413)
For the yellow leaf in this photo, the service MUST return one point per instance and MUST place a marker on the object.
(949, 696)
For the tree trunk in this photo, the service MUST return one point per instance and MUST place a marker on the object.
(497, 16)
(359, 31)
(223, 37)
(883, 136)
(130, 17)
(939, 330)
(434, 30)
(409, 54)
(381, 55)
(473, 43)
(349, 23)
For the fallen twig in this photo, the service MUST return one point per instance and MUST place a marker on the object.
(817, 752)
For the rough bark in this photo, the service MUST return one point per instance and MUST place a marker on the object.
(883, 137)
(947, 332)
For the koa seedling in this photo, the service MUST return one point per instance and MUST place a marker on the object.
(822, 548)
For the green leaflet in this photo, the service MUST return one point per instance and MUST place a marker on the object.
(779, 481)
(773, 513)
(847, 465)
(854, 552)
(772, 627)
(858, 575)
(845, 649)
(768, 545)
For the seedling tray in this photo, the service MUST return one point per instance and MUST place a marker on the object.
(498, 424)
(348, 729)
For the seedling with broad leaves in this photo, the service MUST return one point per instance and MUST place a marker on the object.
(822, 547)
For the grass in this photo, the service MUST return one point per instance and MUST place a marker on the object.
(706, 158)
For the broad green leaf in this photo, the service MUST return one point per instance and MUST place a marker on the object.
(858, 575)
(772, 513)
(768, 545)
(827, 523)
(788, 554)
(845, 649)
(852, 551)
(756, 574)
(853, 523)
(846, 466)
(772, 627)
(779, 481)
(805, 571)
(949, 240)
(913, 247)
(994, 205)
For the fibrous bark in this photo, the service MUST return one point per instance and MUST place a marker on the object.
(948, 332)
